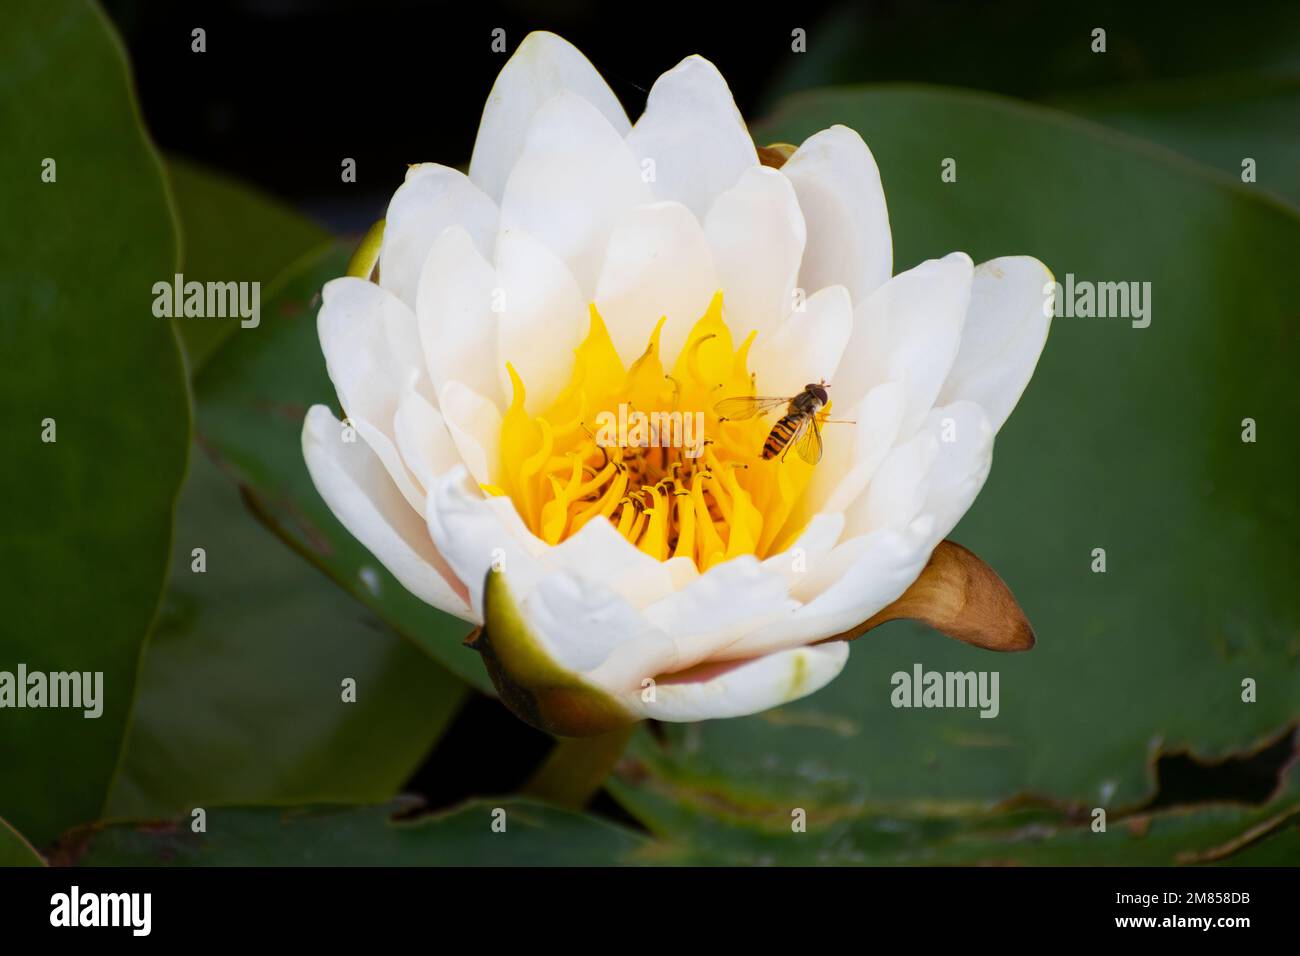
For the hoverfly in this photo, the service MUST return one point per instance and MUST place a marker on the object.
(797, 428)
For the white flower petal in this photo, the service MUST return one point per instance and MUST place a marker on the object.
(422, 438)
(599, 554)
(582, 624)
(592, 630)
(721, 605)
(699, 622)
(543, 320)
(845, 587)
(574, 180)
(694, 135)
(897, 492)
(432, 198)
(384, 445)
(746, 687)
(929, 478)
(816, 540)
(959, 471)
(371, 346)
(850, 457)
(544, 66)
(838, 184)
(475, 427)
(908, 331)
(851, 465)
(357, 488)
(458, 329)
(757, 234)
(474, 533)
(372, 354)
(1006, 329)
(675, 633)
(807, 346)
(937, 473)
(657, 263)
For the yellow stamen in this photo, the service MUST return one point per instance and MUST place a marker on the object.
(707, 499)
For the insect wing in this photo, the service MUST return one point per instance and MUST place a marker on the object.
(810, 440)
(746, 407)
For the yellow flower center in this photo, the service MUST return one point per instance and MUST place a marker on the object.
(667, 488)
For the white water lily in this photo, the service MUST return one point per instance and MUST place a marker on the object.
(586, 262)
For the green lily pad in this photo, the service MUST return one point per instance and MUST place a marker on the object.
(15, 850)
(241, 693)
(230, 233)
(252, 396)
(534, 835)
(88, 516)
(1128, 439)
(1220, 87)
(699, 822)
(1280, 849)
(1175, 838)
(1222, 121)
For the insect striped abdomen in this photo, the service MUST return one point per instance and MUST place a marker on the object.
(780, 435)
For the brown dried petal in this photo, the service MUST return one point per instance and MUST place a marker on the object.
(962, 597)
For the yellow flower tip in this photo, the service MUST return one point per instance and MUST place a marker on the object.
(651, 353)
(742, 353)
(365, 260)
(646, 450)
(516, 387)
